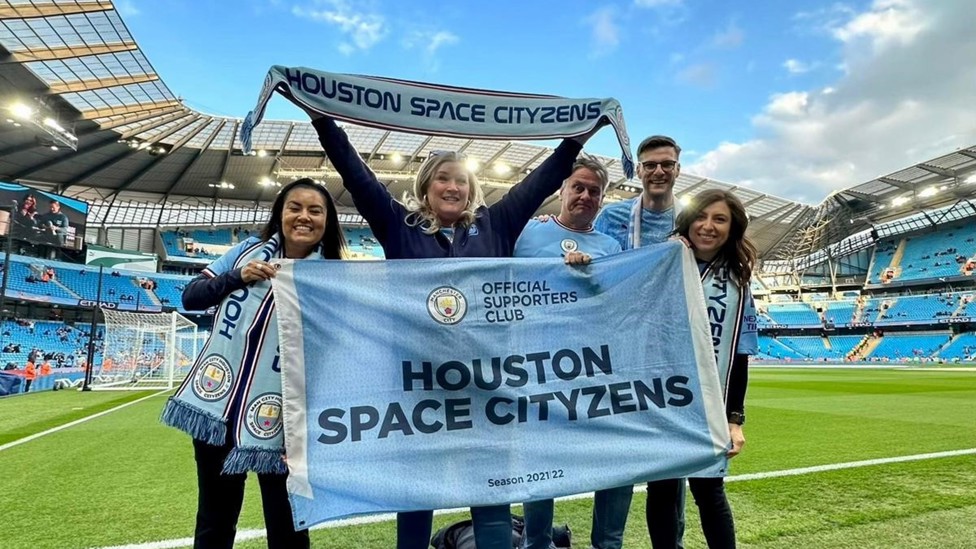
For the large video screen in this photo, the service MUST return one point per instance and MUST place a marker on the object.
(41, 217)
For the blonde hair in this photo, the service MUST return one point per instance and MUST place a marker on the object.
(416, 201)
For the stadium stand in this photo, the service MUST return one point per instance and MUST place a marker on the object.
(962, 347)
(795, 314)
(840, 313)
(909, 346)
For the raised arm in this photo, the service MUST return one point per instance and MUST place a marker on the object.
(513, 211)
(371, 197)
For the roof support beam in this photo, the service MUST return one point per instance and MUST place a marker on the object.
(127, 109)
(756, 200)
(937, 170)
(904, 185)
(862, 196)
(132, 118)
(695, 186)
(376, 149)
(100, 83)
(193, 161)
(32, 10)
(142, 171)
(68, 52)
(494, 158)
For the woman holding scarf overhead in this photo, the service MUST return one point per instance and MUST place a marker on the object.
(231, 401)
(445, 216)
(715, 224)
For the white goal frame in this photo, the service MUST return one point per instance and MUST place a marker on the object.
(145, 351)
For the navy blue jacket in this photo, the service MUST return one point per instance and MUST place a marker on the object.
(496, 227)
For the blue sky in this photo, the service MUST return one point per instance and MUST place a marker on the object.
(792, 98)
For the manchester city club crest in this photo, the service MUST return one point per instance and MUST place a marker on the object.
(569, 245)
(212, 379)
(264, 416)
(447, 305)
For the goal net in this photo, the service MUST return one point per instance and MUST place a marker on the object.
(146, 350)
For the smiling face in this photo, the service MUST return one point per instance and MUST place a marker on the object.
(658, 168)
(710, 230)
(449, 192)
(580, 199)
(302, 221)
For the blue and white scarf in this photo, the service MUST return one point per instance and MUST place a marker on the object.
(724, 304)
(431, 109)
(636, 213)
(236, 381)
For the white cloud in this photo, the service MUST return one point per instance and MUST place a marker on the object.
(429, 42)
(362, 29)
(701, 75)
(903, 99)
(887, 22)
(795, 66)
(126, 8)
(729, 38)
(792, 104)
(605, 32)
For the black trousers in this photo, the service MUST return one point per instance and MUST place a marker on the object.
(221, 497)
(665, 512)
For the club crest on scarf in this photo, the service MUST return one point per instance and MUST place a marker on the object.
(212, 380)
(447, 305)
(264, 416)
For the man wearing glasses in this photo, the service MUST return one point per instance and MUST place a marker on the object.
(648, 218)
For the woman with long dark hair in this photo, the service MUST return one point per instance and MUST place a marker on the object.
(231, 403)
(715, 225)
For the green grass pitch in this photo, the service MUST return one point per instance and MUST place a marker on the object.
(125, 479)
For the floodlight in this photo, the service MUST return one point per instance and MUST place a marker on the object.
(927, 192)
(685, 200)
(396, 158)
(472, 164)
(899, 201)
(502, 169)
(21, 110)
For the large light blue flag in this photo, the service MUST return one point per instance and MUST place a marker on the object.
(428, 384)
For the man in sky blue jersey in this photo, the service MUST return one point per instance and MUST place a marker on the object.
(571, 235)
(649, 217)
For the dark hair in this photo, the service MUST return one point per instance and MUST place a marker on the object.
(333, 243)
(656, 141)
(738, 252)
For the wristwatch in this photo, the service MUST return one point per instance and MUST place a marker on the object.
(737, 418)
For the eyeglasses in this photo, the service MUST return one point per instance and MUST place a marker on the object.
(666, 165)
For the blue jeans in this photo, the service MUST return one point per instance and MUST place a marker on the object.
(492, 528)
(610, 510)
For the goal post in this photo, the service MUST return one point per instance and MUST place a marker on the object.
(145, 350)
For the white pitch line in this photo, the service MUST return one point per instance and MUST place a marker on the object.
(245, 535)
(29, 438)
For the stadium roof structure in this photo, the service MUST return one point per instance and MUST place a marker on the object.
(90, 118)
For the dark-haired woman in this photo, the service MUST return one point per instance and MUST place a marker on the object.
(231, 401)
(715, 224)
